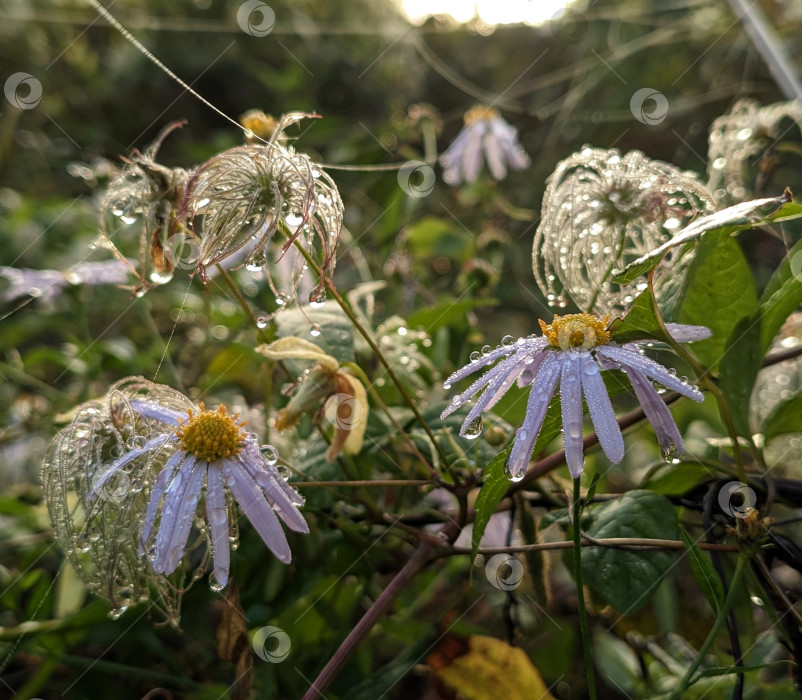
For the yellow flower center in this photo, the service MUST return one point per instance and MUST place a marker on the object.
(576, 331)
(211, 435)
(474, 114)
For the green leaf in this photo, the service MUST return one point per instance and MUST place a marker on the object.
(640, 323)
(336, 338)
(719, 292)
(431, 237)
(676, 479)
(496, 484)
(785, 418)
(704, 573)
(628, 578)
(445, 313)
(782, 296)
(738, 370)
(742, 216)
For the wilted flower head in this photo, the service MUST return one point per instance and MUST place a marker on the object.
(601, 210)
(98, 528)
(571, 352)
(485, 134)
(161, 449)
(244, 196)
(737, 137)
(47, 284)
(149, 195)
(324, 389)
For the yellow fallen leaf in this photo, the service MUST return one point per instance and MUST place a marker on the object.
(490, 669)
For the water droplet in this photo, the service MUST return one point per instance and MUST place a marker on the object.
(590, 368)
(270, 454)
(282, 299)
(317, 298)
(672, 371)
(160, 277)
(128, 219)
(475, 355)
(473, 429)
(508, 340)
(486, 350)
(116, 613)
(671, 454)
(457, 400)
(446, 386)
(315, 330)
(214, 585)
(261, 321)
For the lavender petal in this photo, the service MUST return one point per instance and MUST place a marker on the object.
(654, 370)
(256, 508)
(601, 411)
(270, 481)
(155, 498)
(536, 407)
(217, 518)
(657, 413)
(571, 403)
(99, 482)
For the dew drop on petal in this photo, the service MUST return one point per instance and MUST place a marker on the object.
(446, 387)
(508, 340)
(486, 350)
(270, 454)
(475, 355)
(214, 585)
(671, 454)
(590, 368)
(474, 429)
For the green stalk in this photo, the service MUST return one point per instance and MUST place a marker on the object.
(580, 592)
(375, 348)
(721, 618)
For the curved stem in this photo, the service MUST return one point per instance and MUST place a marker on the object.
(686, 680)
(420, 557)
(375, 348)
(580, 592)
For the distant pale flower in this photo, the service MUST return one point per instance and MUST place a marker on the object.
(47, 284)
(208, 446)
(602, 210)
(485, 134)
(571, 352)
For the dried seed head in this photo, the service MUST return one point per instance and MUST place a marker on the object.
(601, 210)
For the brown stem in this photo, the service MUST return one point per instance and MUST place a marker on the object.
(420, 557)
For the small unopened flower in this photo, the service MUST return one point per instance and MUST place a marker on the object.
(571, 353)
(324, 389)
(198, 445)
(485, 134)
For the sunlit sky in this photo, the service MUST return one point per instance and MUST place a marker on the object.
(489, 11)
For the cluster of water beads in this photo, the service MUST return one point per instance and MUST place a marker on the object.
(602, 210)
(735, 141)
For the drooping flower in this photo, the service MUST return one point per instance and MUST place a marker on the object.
(326, 389)
(570, 353)
(193, 445)
(245, 196)
(601, 211)
(485, 134)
